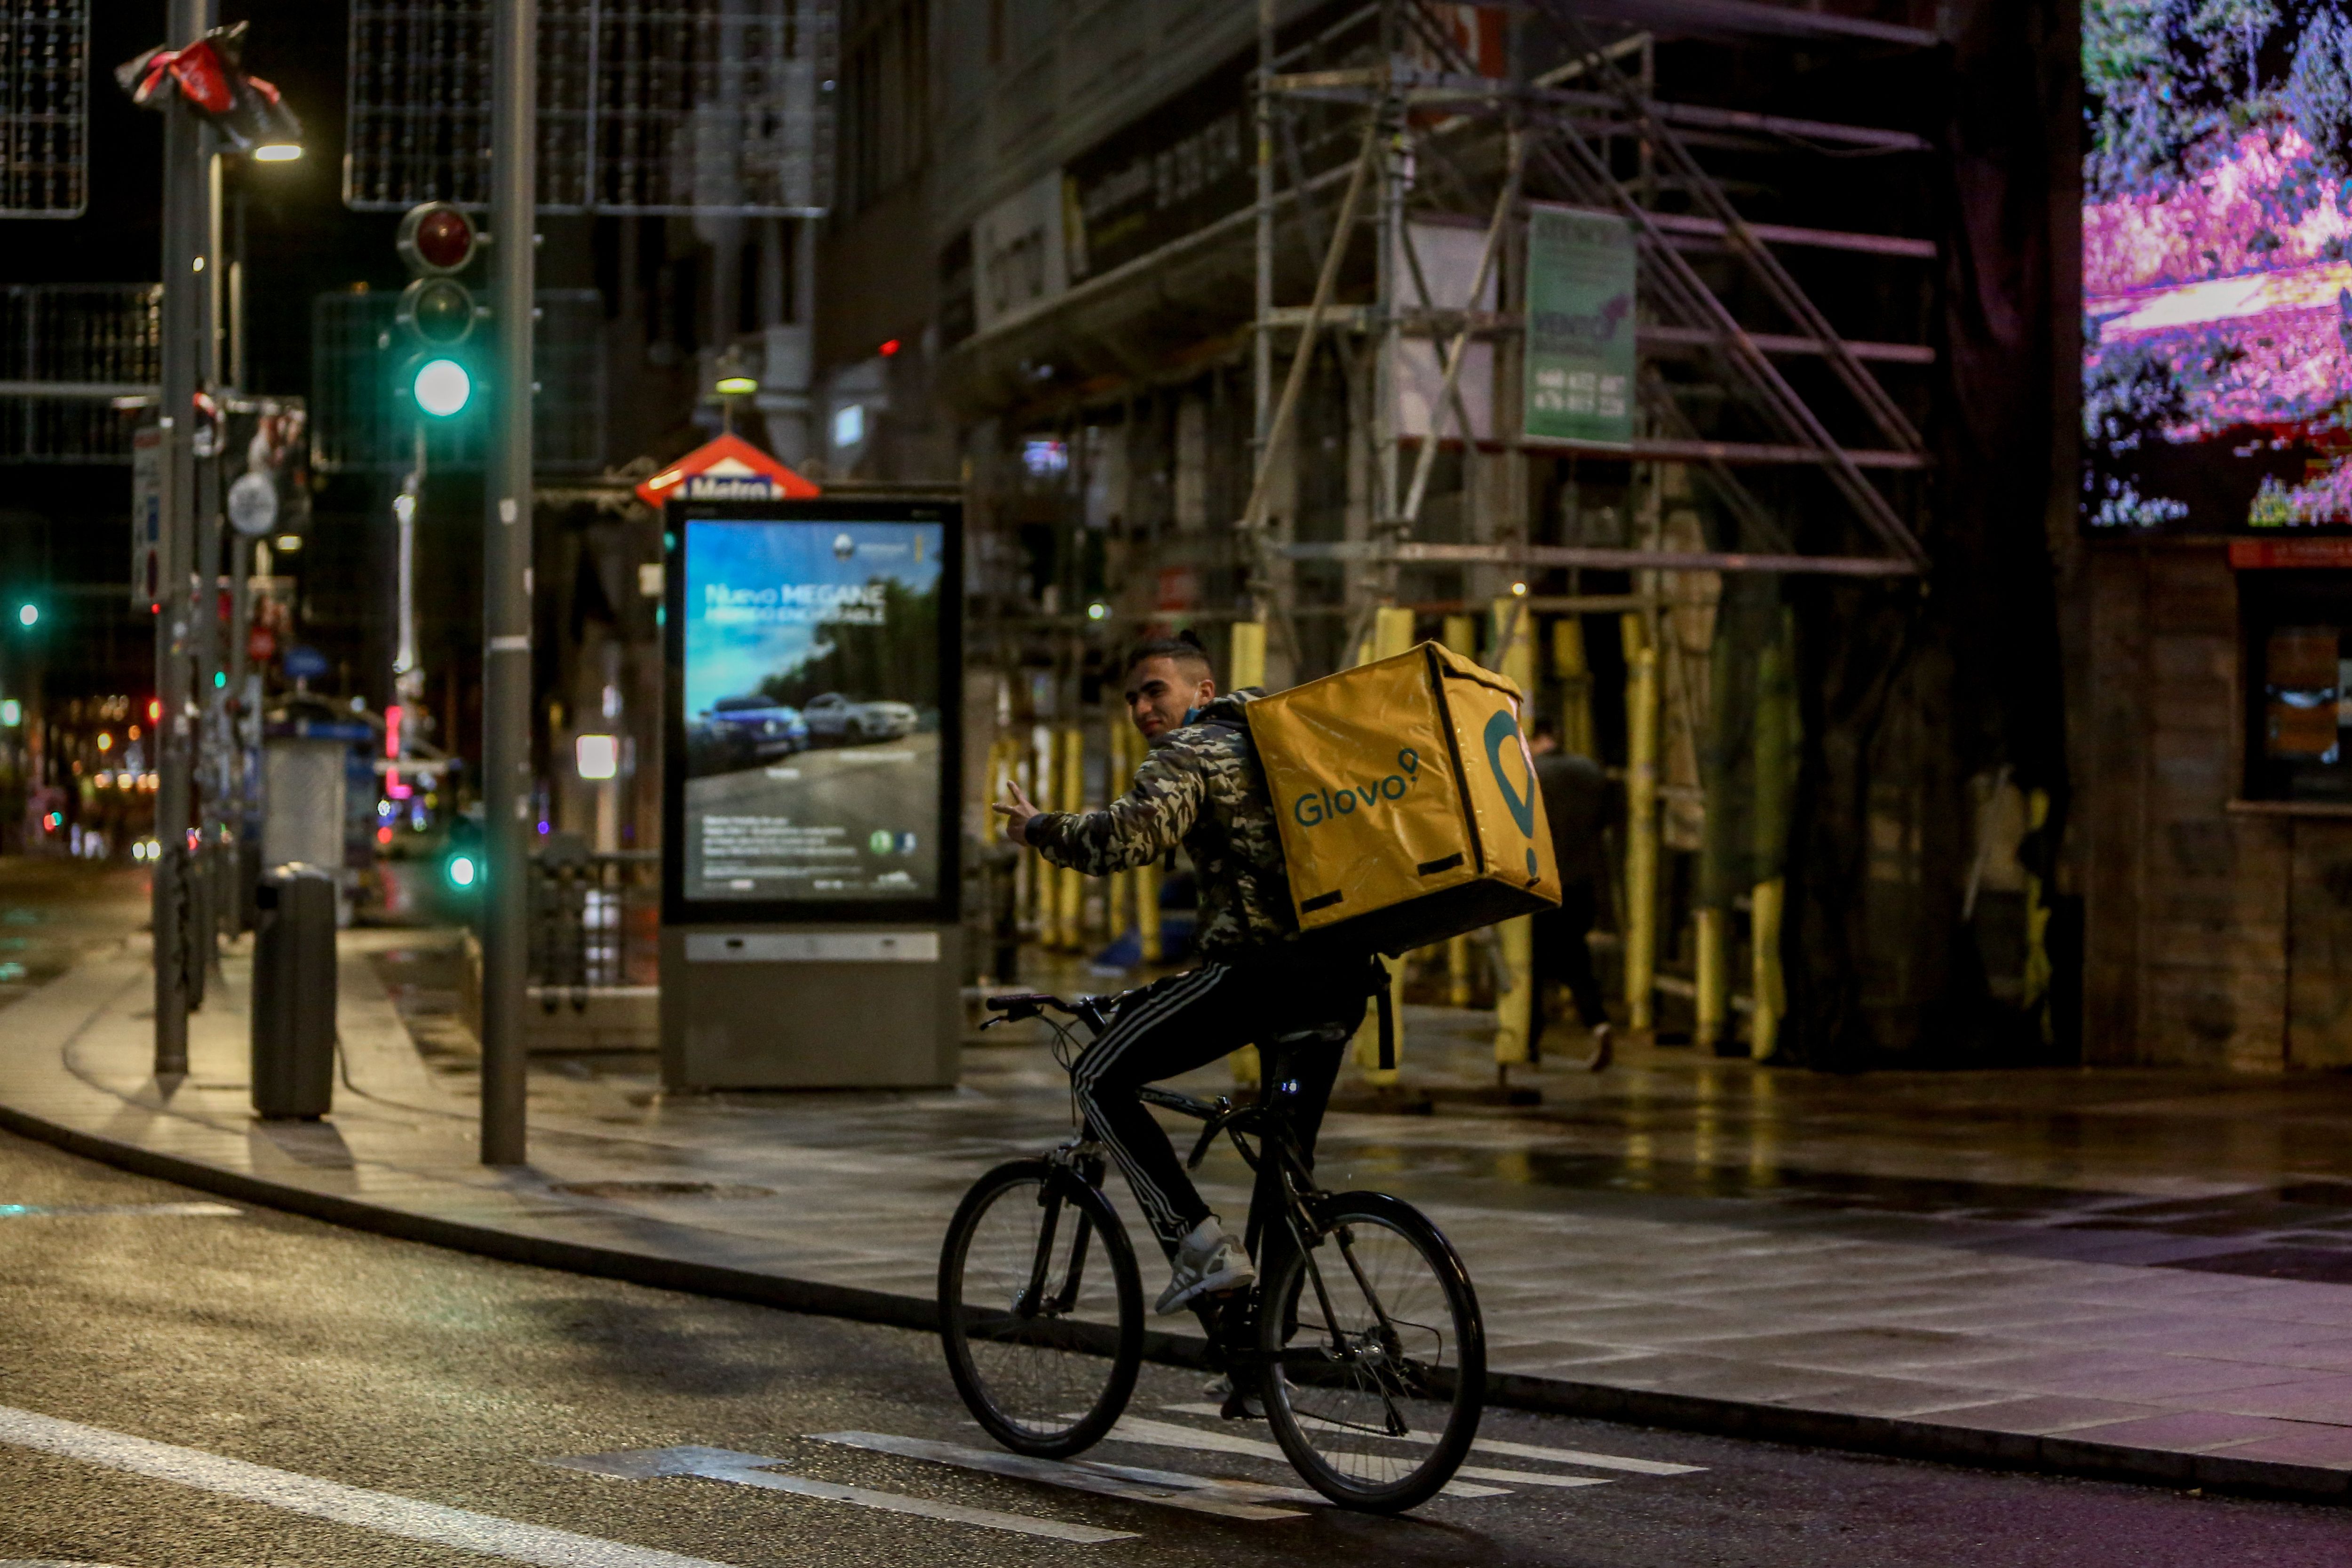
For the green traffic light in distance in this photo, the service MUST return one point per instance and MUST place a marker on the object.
(442, 387)
(26, 615)
(463, 873)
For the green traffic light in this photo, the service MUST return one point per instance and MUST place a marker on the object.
(463, 873)
(29, 614)
(442, 387)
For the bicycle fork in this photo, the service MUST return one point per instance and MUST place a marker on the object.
(1034, 1301)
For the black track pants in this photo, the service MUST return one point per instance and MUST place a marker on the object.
(1187, 1021)
(1562, 953)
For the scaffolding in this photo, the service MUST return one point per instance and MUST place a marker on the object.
(1537, 103)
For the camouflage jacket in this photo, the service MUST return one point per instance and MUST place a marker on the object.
(1200, 786)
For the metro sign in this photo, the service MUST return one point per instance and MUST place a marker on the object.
(728, 469)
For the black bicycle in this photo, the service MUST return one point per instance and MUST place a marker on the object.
(1361, 1336)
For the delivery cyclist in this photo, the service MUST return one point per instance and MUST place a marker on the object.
(1201, 787)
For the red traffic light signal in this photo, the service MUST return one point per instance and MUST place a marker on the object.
(436, 238)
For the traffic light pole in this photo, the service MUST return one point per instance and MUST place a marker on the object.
(506, 582)
(184, 191)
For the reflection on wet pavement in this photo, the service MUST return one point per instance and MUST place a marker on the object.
(2213, 1172)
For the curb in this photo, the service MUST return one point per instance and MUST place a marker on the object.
(1898, 1438)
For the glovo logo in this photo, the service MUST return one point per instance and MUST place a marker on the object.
(1504, 726)
(1320, 805)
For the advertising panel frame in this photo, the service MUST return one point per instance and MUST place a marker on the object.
(943, 907)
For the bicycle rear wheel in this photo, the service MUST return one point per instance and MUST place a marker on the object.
(1375, 1359)
(1041, 1309)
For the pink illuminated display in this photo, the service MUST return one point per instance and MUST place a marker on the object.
(2217, 358)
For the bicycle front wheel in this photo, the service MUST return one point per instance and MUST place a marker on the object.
(1041, 1309)
(1375, 1359)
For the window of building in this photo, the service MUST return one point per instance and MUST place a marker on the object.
(2298, 659)
(885, 100)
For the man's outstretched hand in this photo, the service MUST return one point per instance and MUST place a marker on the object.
(1016, 810)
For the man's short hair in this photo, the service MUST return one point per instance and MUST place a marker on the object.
(1544, 725)
(1183, 647)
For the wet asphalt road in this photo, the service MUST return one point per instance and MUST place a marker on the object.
(435, 1376)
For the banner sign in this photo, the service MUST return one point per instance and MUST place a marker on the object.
(1579, 359)
(813, 759)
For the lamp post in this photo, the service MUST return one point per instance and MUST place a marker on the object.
(506, 583)
(183, 326)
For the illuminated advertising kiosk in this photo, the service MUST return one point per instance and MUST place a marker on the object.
(810, 933)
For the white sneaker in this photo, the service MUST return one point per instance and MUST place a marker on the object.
(1207, 1262)
(1220, 1389)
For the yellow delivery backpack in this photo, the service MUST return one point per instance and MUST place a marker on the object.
(1407, 798)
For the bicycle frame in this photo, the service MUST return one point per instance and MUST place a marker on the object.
(1285, 1185)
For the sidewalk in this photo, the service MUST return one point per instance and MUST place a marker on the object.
(2132, 1275)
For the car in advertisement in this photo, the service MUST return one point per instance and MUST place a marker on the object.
(754, 729)
(835, 717)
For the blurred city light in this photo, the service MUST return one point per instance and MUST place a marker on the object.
(599, 756)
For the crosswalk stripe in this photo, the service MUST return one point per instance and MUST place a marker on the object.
(1169, 1488)
(1514, 1450)
(1168, 1434)
(382, 1513)
(75, 1211)
(752, 1470)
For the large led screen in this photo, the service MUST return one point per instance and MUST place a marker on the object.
(2217, 350)
(812, 767)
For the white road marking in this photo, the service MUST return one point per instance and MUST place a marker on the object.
(1168, 1434)
(1170, 1488)
(380, 1511)
(65, 1211)
(752, 1470)
(1517, 1450)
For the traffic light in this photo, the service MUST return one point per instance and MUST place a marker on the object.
(437, 312)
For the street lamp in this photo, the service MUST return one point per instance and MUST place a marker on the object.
(278, 152)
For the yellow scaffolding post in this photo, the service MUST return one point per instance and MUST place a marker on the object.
(1641, 821)
(1118, 888)
(1147, 876)
(1036, 769)
(1244, 667)
(1245, 662)
(1516, 1006)
(1568, 663)
(1711, 990)
(1462, 637)
(1776, 736)
(1392, 633)
(1069, 884)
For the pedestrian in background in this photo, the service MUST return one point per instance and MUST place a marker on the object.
(1575, 797)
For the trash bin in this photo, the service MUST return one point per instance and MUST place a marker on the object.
(294, 993)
